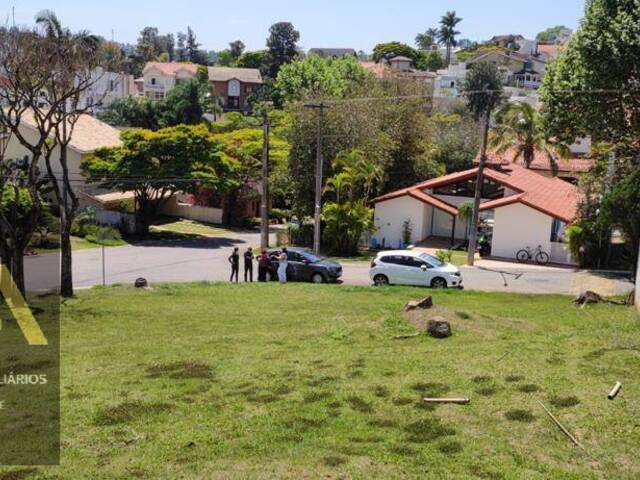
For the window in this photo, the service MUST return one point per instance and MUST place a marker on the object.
(557, 231)
(293, 257)
(415, 262)
(153, 81)
(393, 260)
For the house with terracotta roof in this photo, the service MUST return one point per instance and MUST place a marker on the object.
(519, 208)
(89, 134)
(233, 85)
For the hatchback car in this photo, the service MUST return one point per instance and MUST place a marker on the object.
(404, 267)
(304, 266)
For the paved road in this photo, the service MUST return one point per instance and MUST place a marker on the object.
(205, 259)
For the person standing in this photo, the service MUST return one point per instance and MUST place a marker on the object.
(263, 266)
(248, 264)
(234, 260)
(282, 266)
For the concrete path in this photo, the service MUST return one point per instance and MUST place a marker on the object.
(205, 259)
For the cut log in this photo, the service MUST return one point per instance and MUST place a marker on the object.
(459, 401)
(408, 336)
(616, 390)
(423, 304)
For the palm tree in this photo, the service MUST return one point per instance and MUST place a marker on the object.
(447, 33)
(53, 28)
(519, 131)
(427, 39)
(338, 183)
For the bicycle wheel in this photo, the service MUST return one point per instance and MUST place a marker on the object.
(523, 256)
(542, 258)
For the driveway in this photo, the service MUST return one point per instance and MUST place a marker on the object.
(205, 259)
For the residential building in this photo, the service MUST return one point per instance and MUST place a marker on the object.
(233, 85)
(519, 70)
(107, 86)
(89, 134)
(399, 66)
(519, 208)
(448, 81)
(333, 52)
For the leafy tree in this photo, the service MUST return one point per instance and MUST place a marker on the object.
(157, 165)
(181, 48)
(140, 112)
(431, 61)
(554, 34)
(454, 140)
(185, 103)
(282, 47)
(427, 39)
(114, 57)
(519, 131)
(483, 90)
(344, 225)
(389, 50)
(192, 46)
(225, 58)
(252, 59)
(448, 33)
(592, 90)
(236, 48)
(318, 77)
(149, 45)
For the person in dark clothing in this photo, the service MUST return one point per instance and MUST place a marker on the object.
(263, 266)
(248, 264)
(234, 260)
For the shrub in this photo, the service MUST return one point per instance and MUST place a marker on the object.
(103, 234)
(345, 224)
(279, 214)
(407, 230)
(444, 255)
(301, 232)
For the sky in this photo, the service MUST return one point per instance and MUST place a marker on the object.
(358, 24)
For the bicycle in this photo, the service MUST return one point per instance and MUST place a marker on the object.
(527, 254)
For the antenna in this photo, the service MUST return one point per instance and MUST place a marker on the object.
(13, 15)
(112, 35)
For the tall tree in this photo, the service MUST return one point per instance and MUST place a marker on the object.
(519, 132)
(236, 48)
(75, 56)
(192, 46)
(181, 48)
(483, 90)
(282, 47)
(149, 45)
(427, 39)
(592, 90)
(389, 50)
(448, 33)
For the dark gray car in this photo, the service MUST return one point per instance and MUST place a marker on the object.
(305, 266)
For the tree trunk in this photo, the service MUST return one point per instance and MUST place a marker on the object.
(66, 273)
(17, 269)
(473, 239)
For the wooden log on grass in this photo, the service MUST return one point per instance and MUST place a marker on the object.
(458, 401)
(615, 391)
(408, 336)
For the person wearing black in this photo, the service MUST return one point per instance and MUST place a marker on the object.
(263, 266)
(248, 264)
(234, 260)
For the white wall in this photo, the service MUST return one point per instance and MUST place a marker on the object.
(390, 215)
(518, 226)
(173, 208)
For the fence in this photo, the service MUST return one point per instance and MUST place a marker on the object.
(175, 208)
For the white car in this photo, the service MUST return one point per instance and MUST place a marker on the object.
(406, 267)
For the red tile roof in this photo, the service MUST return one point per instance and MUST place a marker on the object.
(380, 70)
(552, 196)
(541, 162)
(550, 50)
(171, 68)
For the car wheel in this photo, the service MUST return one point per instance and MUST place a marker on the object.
(380, 280)
(439, 282)
(317, 278)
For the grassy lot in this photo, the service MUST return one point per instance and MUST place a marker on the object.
(246, 381)
(193, 227)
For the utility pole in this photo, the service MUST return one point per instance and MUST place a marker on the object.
(264, 202)
(475, 217)
(320, 107)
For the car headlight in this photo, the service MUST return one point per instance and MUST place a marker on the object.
(456, 274)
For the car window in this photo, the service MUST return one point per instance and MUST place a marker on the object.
(311, 257)
(294, 257)
(393, 260)
(416, 262)
(431, 260)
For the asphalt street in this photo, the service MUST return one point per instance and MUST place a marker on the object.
(205, 259)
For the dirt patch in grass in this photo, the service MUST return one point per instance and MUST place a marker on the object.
(450, 447)
(380, 391)
(18, 474)
(487, 391)
(427, 430)
(430, 389)
(513, 378)
(564, 402)
(400, 401)
(463, 315)
(334, 461)
(383, 423)
(128, 412)
(481, 379)
(524, 416)
(529, 388)
(359, 404)
(313, 397)
(180, 370)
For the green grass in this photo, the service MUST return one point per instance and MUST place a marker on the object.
(79, 243)
(193, 227)
(304, 381)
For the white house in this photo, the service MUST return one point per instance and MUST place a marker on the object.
(107, 86)
(160, 77)
(88, 135)
(520, 206)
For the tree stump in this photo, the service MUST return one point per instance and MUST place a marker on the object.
(423, 304)
(439, 327)
(587, 298)
(141, 283)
